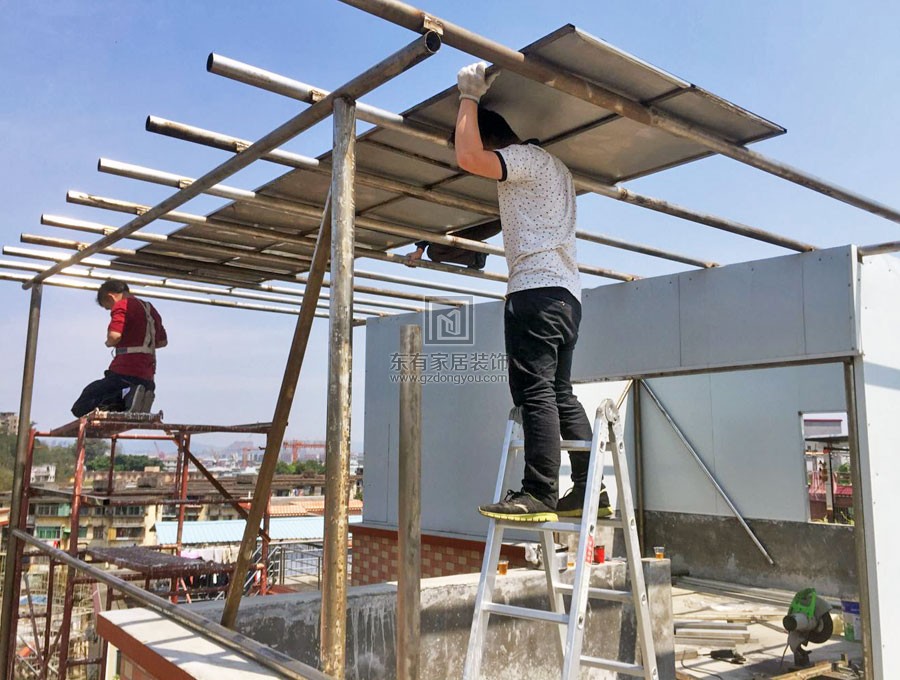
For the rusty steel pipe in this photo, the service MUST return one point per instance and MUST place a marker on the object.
(539, 70)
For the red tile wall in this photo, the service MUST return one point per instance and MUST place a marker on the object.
(131, 671)
(375, 556)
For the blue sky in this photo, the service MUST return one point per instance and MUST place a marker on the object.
(78, 80)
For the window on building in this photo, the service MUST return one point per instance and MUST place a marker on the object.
(48, 533)
(129, 532)
(83, 532)
(51, 510)
(827, 459)
(129, 511)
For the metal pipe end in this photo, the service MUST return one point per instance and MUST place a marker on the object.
(433, 41)
(209, 62)
(149, 123)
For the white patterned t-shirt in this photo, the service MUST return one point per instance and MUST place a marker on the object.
(537, 209)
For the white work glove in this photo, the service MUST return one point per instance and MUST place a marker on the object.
(472, 83)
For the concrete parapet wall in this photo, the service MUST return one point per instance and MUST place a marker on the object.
(515, 648)
(806, 554)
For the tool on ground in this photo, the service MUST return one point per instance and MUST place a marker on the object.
(608, 436)
(808, 620)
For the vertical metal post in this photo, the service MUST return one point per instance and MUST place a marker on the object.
(12, 575)
(69, 602)
(859, 514)
(45, 666)
(337, 428)
(409, 537)
(275, 436)
(638, 461)
(264, 553)
(182, 489)
(112, 464)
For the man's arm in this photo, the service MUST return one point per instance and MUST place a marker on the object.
(112, 338)
(471, 155)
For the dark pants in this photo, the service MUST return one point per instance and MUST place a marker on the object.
(107, 393)
(541, 328)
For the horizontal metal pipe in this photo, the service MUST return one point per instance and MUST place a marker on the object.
(266, 80)
(190, 288)
(262, 654)
(218, 140)
(644, 250)
(551, 75)
(299, 209)
(878, 249)
(97, 228)
(169, 296)
(405, 58)
(81, 198)
(387, 278)
(119, 265)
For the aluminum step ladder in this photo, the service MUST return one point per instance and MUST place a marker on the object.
(607, 437)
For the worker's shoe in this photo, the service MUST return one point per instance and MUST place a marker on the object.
(572, 504)
(139, 399)
(478, 261)
(519, 506)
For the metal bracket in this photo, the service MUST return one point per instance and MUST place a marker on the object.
(316, 96)
(430, 23)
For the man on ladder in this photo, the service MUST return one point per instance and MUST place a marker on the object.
(543, 302)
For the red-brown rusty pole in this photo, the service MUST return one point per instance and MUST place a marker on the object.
(68, 603)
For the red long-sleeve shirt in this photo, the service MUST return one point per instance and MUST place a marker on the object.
(127, 317)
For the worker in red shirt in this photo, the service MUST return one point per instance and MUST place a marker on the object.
(135, 332)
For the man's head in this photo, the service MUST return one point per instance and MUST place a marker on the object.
(110, 292)
(495, 131)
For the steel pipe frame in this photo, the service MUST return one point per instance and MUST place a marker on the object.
(298, 209)
(22, 278)
(379, 74)
(535, 68)
(409, 513)
(81, 198)
(709, 475)
(302, 92)
(225, 142)
(210, 269)
(18, 504)
(262, 654)
(332, 630)
(275, 436)
(307, 93)
(233, 292)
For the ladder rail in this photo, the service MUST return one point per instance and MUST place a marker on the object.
(485, 592)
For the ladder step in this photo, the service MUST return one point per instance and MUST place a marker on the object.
(600, 593)
(572, 527)
(611, 665)
(565, 444)
(525, 613)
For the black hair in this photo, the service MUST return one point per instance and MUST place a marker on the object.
(495, 131)
(110, 286)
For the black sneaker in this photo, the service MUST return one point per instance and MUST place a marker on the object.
(572, 504)
(519, 506)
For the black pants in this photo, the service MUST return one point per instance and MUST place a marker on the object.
(107, 393)
(541, 328)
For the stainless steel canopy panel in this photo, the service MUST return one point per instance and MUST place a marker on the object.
(590, 140)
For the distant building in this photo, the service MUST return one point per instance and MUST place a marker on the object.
(9, 422)
(43, 474)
